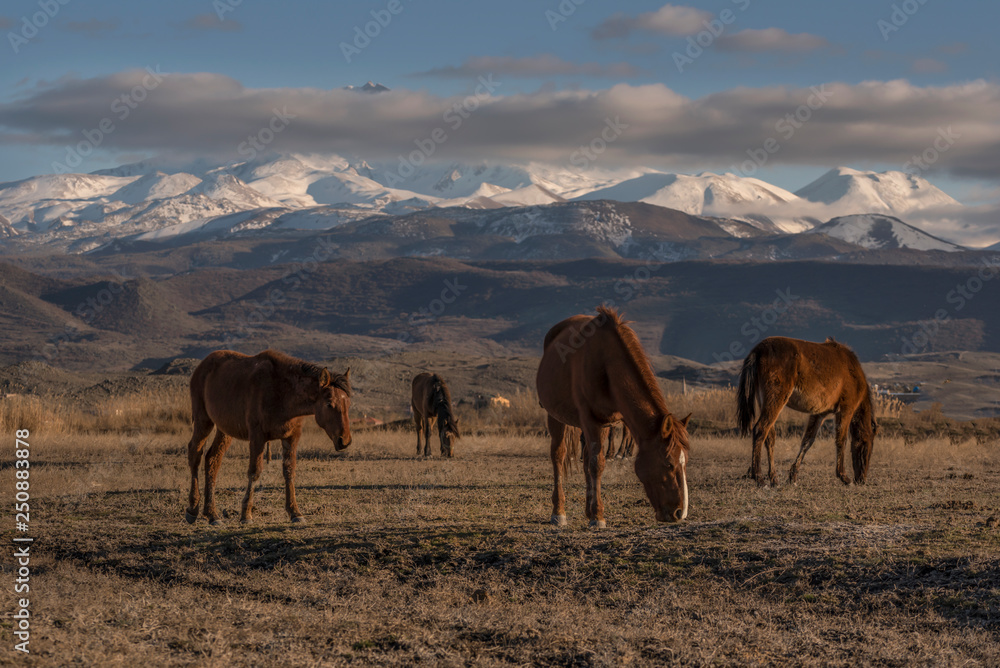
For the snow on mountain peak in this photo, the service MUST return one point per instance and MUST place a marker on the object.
(852, 191)
(166, 191)
(875, 231)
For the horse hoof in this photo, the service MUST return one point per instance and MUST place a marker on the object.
(191, 519)
(598, 524)
(298, 519)
(559, 520)
(215, 523)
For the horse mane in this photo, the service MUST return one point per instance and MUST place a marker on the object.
(299, 367)
(612, 321)
(441, 404)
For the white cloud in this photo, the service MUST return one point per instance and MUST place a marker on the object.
(671, 20)
(867, 123)
(771, 40)
(544, 65)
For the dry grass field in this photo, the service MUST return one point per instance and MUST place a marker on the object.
(406, 561)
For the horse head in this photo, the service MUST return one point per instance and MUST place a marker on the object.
(448, 431)
(333, 403)
(864, 429)
(661, 466)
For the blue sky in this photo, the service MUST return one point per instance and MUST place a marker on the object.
(762, 64)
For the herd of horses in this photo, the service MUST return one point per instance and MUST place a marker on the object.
(593, 375)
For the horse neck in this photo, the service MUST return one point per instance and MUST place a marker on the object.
(443, 411)
(639, 399)
(299, 403)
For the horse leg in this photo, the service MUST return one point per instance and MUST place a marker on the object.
(427, 436)
(212, 461)
(594, 466)
(843, 426)
(557, 450)
(610, 452)
(202, 429)
(808, 438)
(764, 432)
(417, 421)
(257, 444)
(289, 447)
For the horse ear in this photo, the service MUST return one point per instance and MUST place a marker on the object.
(684, 422)
(324, 378)
(667, 427)
(347, 374)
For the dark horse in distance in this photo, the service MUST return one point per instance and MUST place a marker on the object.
(594, 373)
(259, 399)
(430, 401)
(814, 378)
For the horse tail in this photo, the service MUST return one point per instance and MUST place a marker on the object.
(571, 437)
(864, 428)
(746, 394)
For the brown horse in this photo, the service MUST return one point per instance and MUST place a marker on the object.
(431, 401)
(258, 399)
(814, 378)
(593, 373)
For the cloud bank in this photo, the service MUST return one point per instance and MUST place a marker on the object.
(882, 122)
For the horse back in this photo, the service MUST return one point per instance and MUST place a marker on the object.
(817, 369)
(231, 388)
(420, 398)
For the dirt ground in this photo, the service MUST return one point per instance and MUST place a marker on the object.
(408, 561)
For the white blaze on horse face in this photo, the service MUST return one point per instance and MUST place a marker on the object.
(684, 479)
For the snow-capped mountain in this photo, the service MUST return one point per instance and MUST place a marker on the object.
(328, 190)
(707, 194)
(876, 231)
(370, 87)
(849, 191)
(694, 194)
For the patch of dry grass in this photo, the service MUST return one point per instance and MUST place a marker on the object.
(407, 560)
(160, 411)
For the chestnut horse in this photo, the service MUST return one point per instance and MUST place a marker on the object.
(431, 401)
(594, 373)
(258, 399)
(814, 378)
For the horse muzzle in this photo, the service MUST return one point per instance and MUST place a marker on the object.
(667, 517)
(340, 443)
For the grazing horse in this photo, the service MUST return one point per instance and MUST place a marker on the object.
(431, 401)
(259, 399)
(594, 373)
(814, 378)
